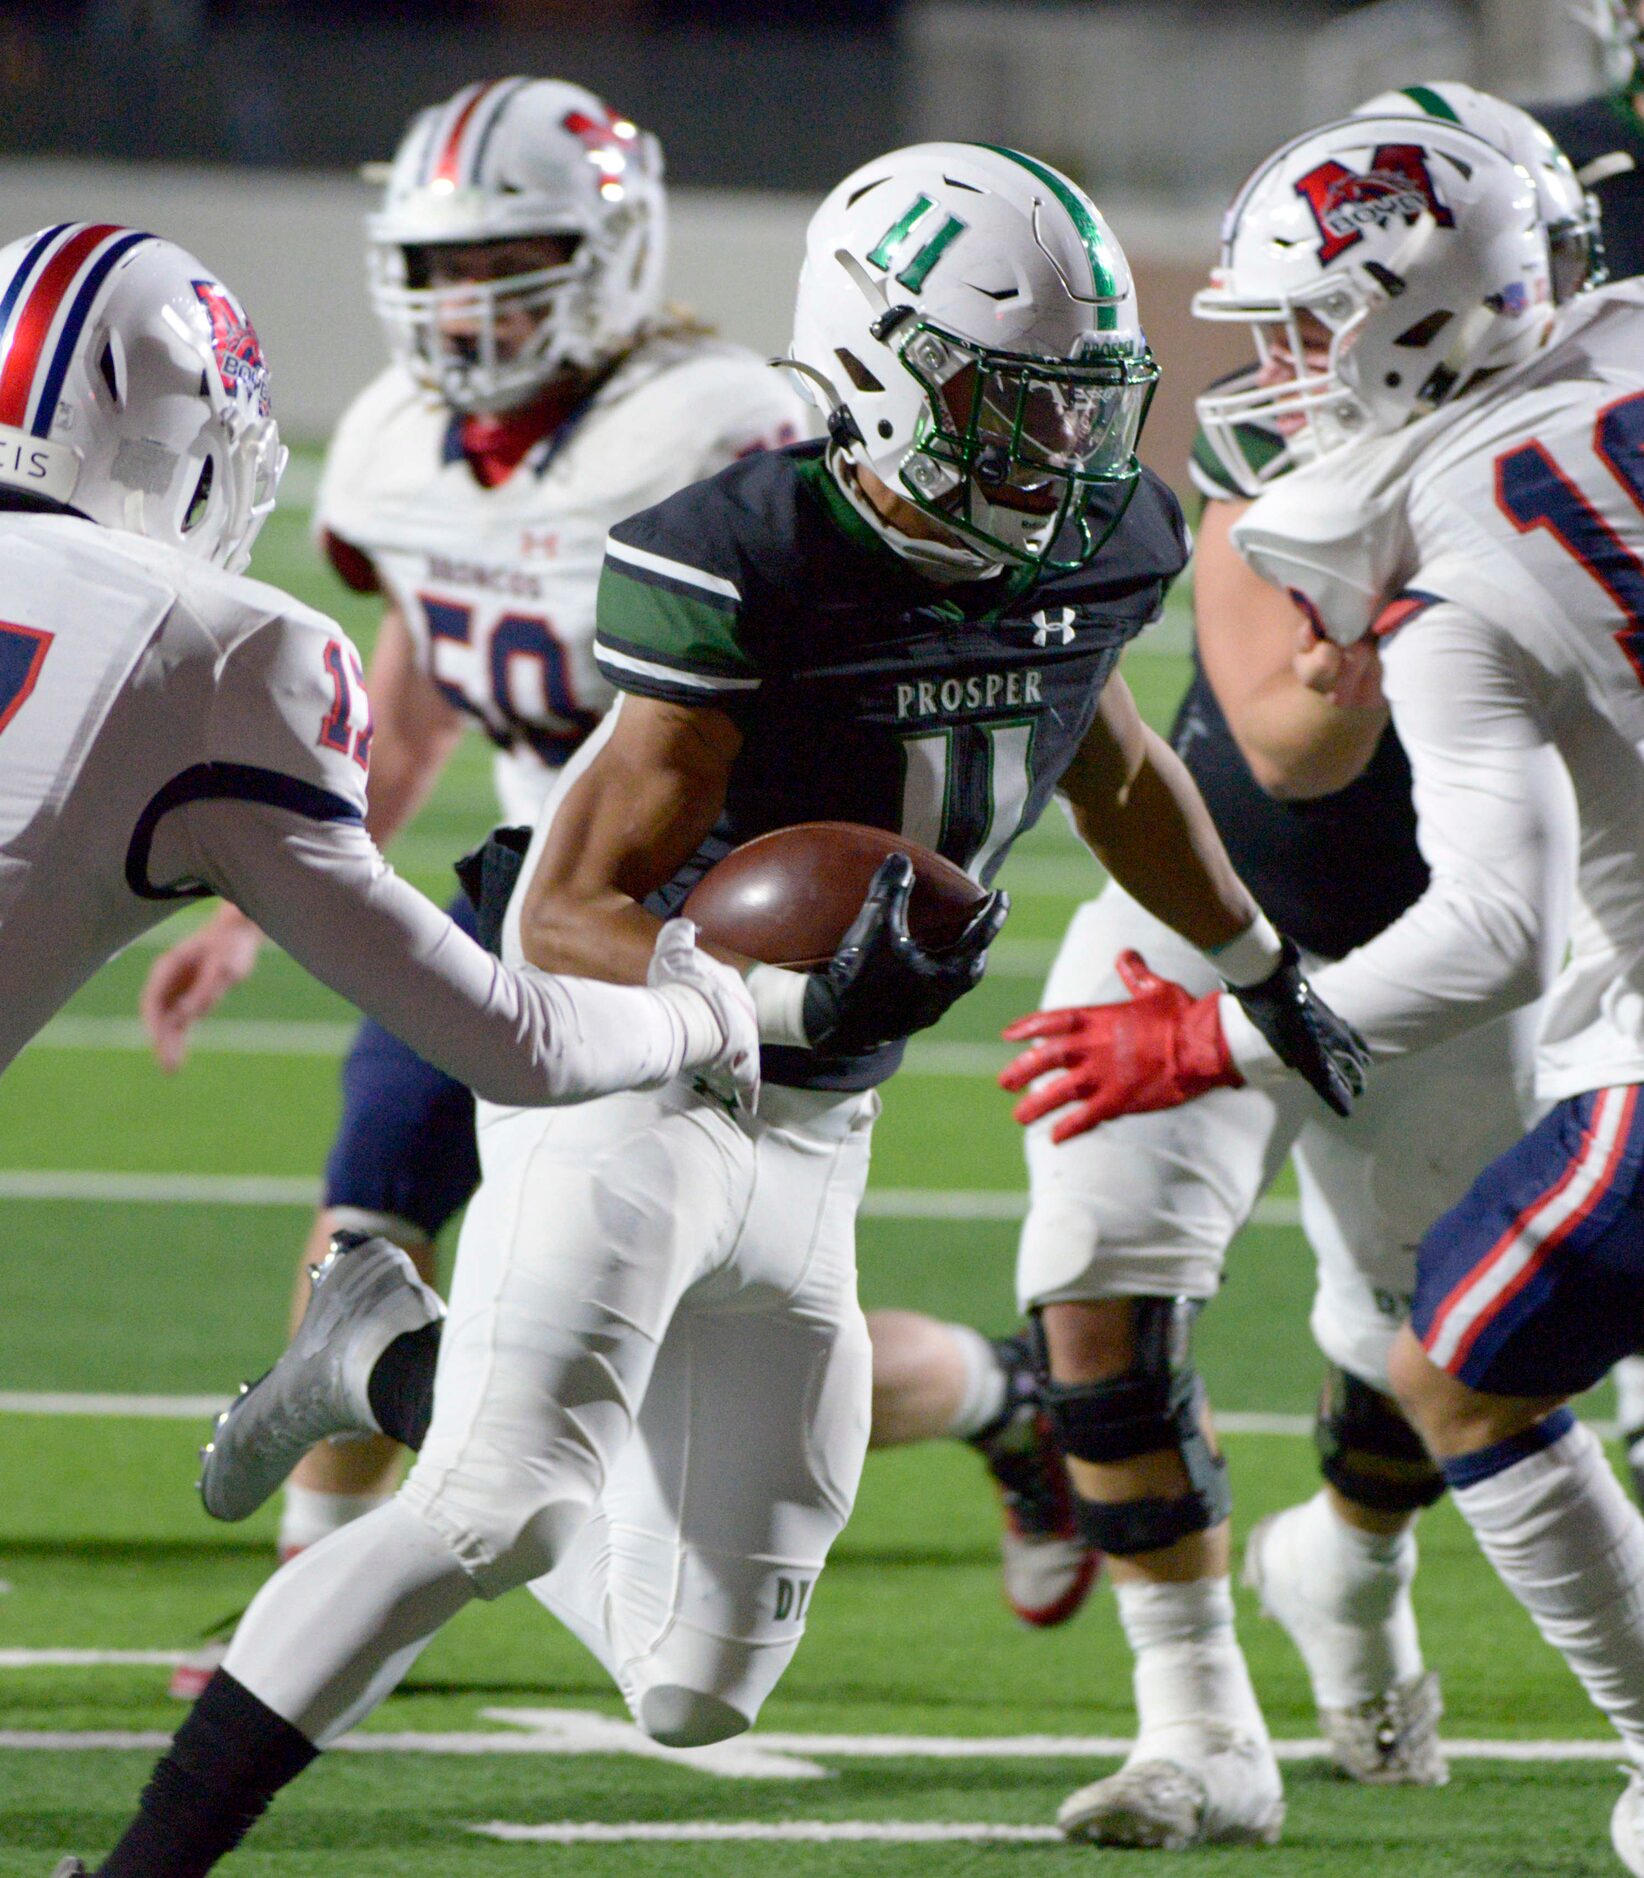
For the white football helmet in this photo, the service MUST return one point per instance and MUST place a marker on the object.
(1569, 213)
(1383, 266)
(502, 160)
(133, 391)
(971, 323)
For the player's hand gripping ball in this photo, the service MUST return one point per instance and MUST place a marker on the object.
(891, 932)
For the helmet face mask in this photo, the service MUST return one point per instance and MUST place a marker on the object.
(1015, 446)
(146, 408)
(498, 171)
(1417, 248)
(972, 325)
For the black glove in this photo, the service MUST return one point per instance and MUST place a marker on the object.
(1306, 1033)
(881, 984)
(489, 876)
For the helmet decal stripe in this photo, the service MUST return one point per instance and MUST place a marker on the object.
(1081, 214)
(1426, 99)
(20, 280)
(449, 168)
(482, 143)
(46, 407)
(38, 312)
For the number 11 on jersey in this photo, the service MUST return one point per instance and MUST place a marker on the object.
(346, 727)
(965, 790)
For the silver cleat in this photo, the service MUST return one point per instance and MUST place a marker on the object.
(366, 1293)
(1391, 1740)
(1224, 1789)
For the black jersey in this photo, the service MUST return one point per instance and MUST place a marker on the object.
(1593, 127)
(1331, 872)
(865, 692)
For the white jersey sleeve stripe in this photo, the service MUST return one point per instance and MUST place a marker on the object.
(669, 674)
(680, 571)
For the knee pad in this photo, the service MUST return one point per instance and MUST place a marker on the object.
(1154, 1407)
(687, 1718)
(1367, 1450)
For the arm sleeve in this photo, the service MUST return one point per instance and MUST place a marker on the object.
(521, 1037)
(1495, 823)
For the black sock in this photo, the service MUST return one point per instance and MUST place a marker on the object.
(401, 1386)
(227, 1761)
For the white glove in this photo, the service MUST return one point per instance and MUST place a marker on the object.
(727, 1053)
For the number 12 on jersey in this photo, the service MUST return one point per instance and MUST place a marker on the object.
(1533, 491)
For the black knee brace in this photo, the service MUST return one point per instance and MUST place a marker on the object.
(1367, 1450)
(1154, 1407)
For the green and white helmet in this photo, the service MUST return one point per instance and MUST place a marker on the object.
(1568, 212)
(971, 323)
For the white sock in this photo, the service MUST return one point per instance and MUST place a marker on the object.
(1569, 1545)
(984, 1398)
(309, 1514)
(1189, 1667)
(1356, 1624)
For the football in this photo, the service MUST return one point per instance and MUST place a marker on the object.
(788, 898)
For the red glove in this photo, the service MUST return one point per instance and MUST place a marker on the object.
(1159, 1050)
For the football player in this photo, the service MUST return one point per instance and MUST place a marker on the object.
(170, 729)
(653, 1388)
(1312, 797)
(539, 390)
(1604, 135)
(1472, 503)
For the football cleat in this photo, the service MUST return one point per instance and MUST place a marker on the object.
(72, 1868)
(1389, 1740)
(366, 1294)
(1627, 1822)
(1220, 1787)
(1049, 1567)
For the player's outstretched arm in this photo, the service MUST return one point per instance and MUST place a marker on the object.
(1300, 739)
(1140, 812)
(323, 891)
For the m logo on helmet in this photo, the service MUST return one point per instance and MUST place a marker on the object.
(900, 235)
(1346, 203)
(240, 361)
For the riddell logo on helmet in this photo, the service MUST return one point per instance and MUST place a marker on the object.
(1346, 203)
(240, 360)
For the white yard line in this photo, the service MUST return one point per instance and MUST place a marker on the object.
(788, 1832)
(123, 1189)
(764, 1755)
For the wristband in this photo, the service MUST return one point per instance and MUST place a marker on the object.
(779, 1004)
(1251, 956)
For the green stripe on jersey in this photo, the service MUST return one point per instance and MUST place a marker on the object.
(1081, 212)
(636, 615)
(1428, 100)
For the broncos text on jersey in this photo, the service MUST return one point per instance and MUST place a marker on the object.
(497, 585)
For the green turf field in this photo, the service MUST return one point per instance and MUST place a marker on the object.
(152, 1227)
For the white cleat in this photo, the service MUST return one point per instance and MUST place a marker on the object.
(1201, 1784)
(72, 1868)
(1627, 1822)
(1392, 1738)
(366, 1293)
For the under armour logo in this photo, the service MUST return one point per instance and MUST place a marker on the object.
(1062, 627)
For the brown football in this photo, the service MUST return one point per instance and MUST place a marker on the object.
(788, 898)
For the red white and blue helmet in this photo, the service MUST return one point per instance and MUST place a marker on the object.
(510, 158)
(133, 390)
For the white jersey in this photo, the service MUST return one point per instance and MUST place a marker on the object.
(1498, 548)
(168, 730)
(497, 585)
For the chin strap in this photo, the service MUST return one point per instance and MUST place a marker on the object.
(937, 560)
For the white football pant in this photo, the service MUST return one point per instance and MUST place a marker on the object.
(1146, 1206)
(653, 1399)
